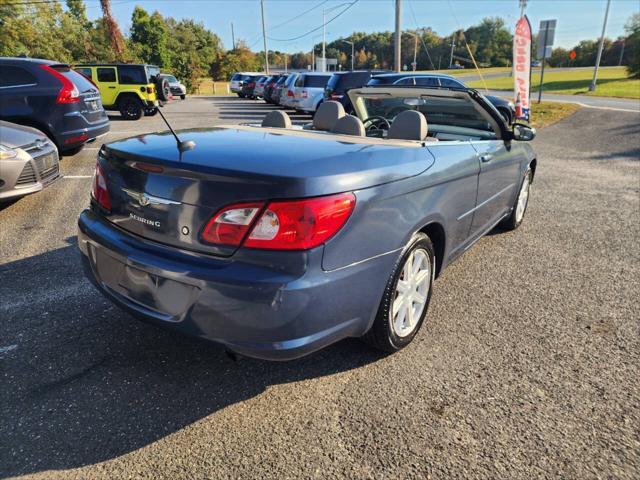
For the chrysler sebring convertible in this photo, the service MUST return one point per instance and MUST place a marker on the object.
(277, 240)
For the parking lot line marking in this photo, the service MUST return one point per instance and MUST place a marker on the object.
(78, 176)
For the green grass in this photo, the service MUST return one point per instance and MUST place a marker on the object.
(612, 82)
(548, 113)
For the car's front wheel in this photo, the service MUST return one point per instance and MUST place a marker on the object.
(514, 220)
(406, 297)
(182, 97)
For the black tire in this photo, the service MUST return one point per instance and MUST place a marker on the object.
(163, 88)
(241, 95)
(514, 220)
(182, 97)
(71, 151)
(150, 112)
(130, 108)
(382, 335)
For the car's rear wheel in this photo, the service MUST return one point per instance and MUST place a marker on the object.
(130, 108)
(150, 112)
(514, 220)
(406, 297)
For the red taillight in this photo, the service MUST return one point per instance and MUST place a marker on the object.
(230, 225)
(289, 93)
(69, 92)
(150, 89)
(283, 225)
(99, 190)
(251, 85)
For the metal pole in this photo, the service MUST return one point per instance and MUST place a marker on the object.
(544, 61)
(264, 38)
(313, 58)
(621, 52)
(233, 37)
(324, 41)
(285, 63)
(453, 45)
(398, 38)
(415, 52)
(592, 87)
(353, 45)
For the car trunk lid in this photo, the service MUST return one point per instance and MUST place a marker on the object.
(166, 195)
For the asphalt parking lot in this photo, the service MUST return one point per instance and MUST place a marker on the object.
(527, 367)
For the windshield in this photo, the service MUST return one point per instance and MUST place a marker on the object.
(171, 79)
(453, 114)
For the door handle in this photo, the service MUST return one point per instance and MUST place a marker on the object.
(486, 157)
(112, 87)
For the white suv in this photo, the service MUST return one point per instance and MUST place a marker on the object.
(308, 91)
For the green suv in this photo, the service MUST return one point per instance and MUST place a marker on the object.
(128, 88)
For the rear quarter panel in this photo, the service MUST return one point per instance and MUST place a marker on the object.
(386, 216)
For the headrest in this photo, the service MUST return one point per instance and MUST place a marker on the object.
(349, 125)
(327, 115)
(409, 125)
(277, 119)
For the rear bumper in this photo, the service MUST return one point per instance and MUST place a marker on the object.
(253, 305)
(70, 139)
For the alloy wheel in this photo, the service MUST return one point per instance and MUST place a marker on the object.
(411, 293)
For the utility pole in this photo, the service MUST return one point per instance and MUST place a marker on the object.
(352, 51)
(324, 42)
(398, 38)
(264, 37)
(415, 52)
(592, 87)
(453, 45)
(233, 37)
(523, 6)
(622, 52)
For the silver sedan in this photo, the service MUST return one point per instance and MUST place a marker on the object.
(28, 161)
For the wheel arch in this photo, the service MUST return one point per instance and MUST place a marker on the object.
(436, 233)
(533, 164)
(128, 94)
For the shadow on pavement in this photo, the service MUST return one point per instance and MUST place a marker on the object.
(86, 382)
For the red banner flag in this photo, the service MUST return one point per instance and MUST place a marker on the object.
(522, 68)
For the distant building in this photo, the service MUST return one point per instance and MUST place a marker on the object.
(332, 64)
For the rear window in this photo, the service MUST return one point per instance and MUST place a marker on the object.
(85, 71)
(106, 74)
(79, 80)
(333, 81)
(447, 82)
(427, 81)
(281, 80)
(315, 81)
(152, 72)
(132, 75)
(15, 76)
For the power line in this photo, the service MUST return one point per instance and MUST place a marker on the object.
(317, 28)
(299, 15)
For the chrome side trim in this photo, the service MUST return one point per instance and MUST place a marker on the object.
(466, 214)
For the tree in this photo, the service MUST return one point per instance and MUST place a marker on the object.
(149, 37)
(632, 47)
(115, 35)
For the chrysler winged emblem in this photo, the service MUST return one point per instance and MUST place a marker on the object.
(144, 199)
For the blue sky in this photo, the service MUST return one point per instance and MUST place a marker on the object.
(577, 20)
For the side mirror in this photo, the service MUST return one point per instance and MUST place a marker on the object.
(523, 133)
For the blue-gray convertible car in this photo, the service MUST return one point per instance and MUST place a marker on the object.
(276, 240)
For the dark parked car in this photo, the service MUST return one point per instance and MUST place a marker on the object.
(249, 85)
(340, 82)
(269, 87)
(53, 98)
(278, 88)
(505, 107)
(277, 241)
